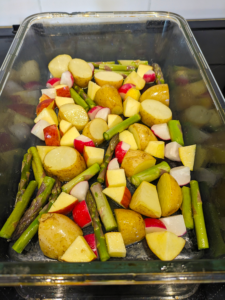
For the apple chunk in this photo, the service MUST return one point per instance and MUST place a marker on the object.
(135, 79)
(121, 195)
(113, 120)
(69, 137)
(115, 244)
(64, 204)
(111, 78)
(52, 135)
(116, 178)
(62, 101)
(156, 149)
(187, 156)
(91, 240)
(93, 155)
(64, 126)
(48, 103)
(92, 89)
(127, 137)
(81, 214)
(154, 225)
(38, 128)
(48, 115)
(130, 107)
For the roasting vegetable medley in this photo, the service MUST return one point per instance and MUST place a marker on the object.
(122, 107)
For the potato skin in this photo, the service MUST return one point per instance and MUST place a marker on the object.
(56, 233)
(142, 134)
(131, 225)
(91, 127)
(108, 96)
(158, 92)
(80, 81)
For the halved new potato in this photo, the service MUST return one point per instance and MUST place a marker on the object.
(81, 71)
(142, 134)
(111, 78)
(95, 129)
(59, 64)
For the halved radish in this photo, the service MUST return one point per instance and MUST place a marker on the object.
(113, 164)
(80, 190)
(120, 151)
(91, 240)
(175, 224)
(92, 67)
(149, 76)
(111, 78)
(181, 174)
(81, 214)
(172, 152)
(52, 82)
(93, 111)
(51, 93)
(82, 141)
(161, 131)
(67, 79)
(103, 113)
(154, 225)
(38, 128)
(124, 89)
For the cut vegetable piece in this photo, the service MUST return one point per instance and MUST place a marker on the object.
(142, 135)
(175, 224)
(93, 111)
(44, 97)
(82, 141)
(51, 93)
(161, 131)
(176, 133)
(156, 149)
(69, 137)
(79, 100)
(114, 120)
(84, 96)
(172, 151)
(134, 63)
(67, 79)
(52, 135)
(63, 91)
(158, 92)
(149, 76)
(93, 155)
(91, 240)
(158, 73)
(154, 225)
(135, 79)
(187, 156)
(95, 129)
(113, 164)
(103, 114)
(130, 107)
(81, 214)
(128, 138)
(133, 93)
(181, 174)
(64, 204)
(82, 72)
(115, 244)
(186, 207)
(48, 115)
(64, 126)
(43, 150)
(124, 89)
(62, 101)
(115, 67)
(80, 190)
(142, 69)
(111, 78)
(121, 150)
(37, 130)
(116, 178)
(49, 103)
(121, 195)
(59, 64)
(92, 89)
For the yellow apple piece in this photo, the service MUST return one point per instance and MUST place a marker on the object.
(136, 161)
(154, 112)
(145, 200)
(142, 135)
(156, 149)
(115, 244)
(95, 129)
(49, 115)
(59, 101)
(64, 204)
(43, 150)
(92, 89)
(81, 71)
(64, 126)
(165, 245)
(116, 178)
(133, 93)
(142, 69)
(159, 92)
(130, 107)
(170, 194)
(64, 162)
(29, 71)
(131, 225)
(114, 120)
(111, 78)
(69, 137)
(93, 155)
(59, 64)
(121, 195)
(56, 233)
(127, 137)
(75, 114)
(187, 156)
(135, 79)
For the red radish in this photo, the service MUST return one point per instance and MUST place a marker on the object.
(124, 89)
(90, 238)
(80, 190)
(154, 225)
(81, 214)
(67, 79)
(38, 128)
(63, 91)
(120, 151)
(92, 112)
(52, 135)
(172, 152)
(82, 141)
(51, 93)
(113, 164)
(92, 67)
(50, 103)
(149, 76)
(161, 131)
(181, 174)
(52, 82)
(103, 113)
(175, 224)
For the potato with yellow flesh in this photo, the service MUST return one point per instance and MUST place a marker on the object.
(82, 72)
(159, 92)
(59, 64)
(56, 233)
(95, 129)
(136, 161)
(131, 225)
(127, 137)
(142, 135)
(43, 150)
(170, 194)
(111, 78)
(108, 96)
(64, 162)
(154, 112)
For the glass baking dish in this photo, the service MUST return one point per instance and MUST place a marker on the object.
(195, 100)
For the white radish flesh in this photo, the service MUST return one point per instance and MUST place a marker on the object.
(175, 224)
(172, 152)
(52, 82)
(80, 190)
(181, 174)
(161, 131)
(103, 113)
(49, 92)
(92, 112)
(38, 128)
(113, 164)
(67, 79)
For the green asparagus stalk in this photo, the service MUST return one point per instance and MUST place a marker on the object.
(103, 207)
(111, 67)
(83, 95)
(121, 126)
(32, 229)
(199, 221)
(78, 100)
(12, 221)
(123, 73)
(96, 64)
(108, 156)
(134, 63)
(39, 172)
(35, 207)
(176, 133)
(25, 174)
(158, 74)
(150, 174)
(186, 207)
(86, 175)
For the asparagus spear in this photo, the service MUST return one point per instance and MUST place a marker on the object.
(103, 206)
(100, 238)
(108, 156)
(134, 63)
(176, 133)
(111, 67)
(158, 74)
(123, 73)
(29, 233)
(83, 95)
(78, 100)
(86, 175)
(96, 64)
(121, 126)
(35, 207)
(150, 174)
(12, 221)
(199, 221)
(39, 172)
(186, 208)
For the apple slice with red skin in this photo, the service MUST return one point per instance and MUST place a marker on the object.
(44, 97)
(161, 131)
(81, 215)
(91, 240)
(52, 82)
(124, 89)
(23, 109)
(149, 76)
(154, 225)
(63, 92)
(120, 150)
(32, 85)
(80, 190)
(93, 111)
(103, 113)
(52, 135)
(67, 79)
(82, 141)
(64, 204)
(92, 67)
(38, 129)
(121, 195)
(50, 103)
(51, 93)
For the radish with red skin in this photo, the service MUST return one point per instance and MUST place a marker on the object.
(49, 92)
(38, 128)
(52, 82)
(80, 190)
(175, 224)
(82, 141)
(103, 113)
(172, 151)
(91, 240)
(181, 174)
(154, 225)
(52, 135)
(124, 89)
(149, 76)
(113, 164)
(93, 111)
(120, 150)
(161, 131)
(81, 215)
(67, 79)
(92, 67)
